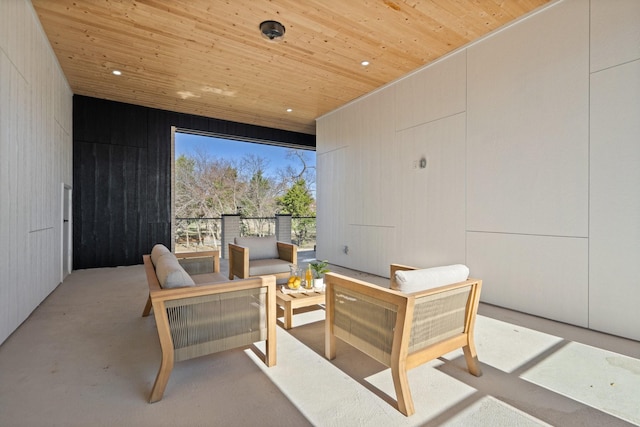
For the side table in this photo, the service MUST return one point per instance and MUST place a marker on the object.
(290, 300)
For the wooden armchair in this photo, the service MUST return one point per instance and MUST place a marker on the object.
(209, 316)
(257, 256)
(402, 330)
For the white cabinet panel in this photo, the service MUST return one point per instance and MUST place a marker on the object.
(544, 276)
(615, 32)
(370, 249)
(614, 229)
(527, 117)
(431, 93)
(431, 207)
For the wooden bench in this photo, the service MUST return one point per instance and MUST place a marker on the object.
(213, 316)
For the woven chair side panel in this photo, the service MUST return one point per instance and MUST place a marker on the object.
(195, 266)
(438, 317)
(213, 323)
(365, 322)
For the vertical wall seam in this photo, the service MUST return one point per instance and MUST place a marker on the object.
(589, 172)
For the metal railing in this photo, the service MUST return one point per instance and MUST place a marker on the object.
(206, 233)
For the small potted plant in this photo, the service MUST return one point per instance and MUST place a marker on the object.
(319, 268)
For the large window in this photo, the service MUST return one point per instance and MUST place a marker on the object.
(213, 176)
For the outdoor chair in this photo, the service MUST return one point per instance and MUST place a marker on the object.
(199, 312)
(257, 256)
(421, 318)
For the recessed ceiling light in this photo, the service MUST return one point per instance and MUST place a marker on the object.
(289, 110)
(364, 63)
(116, 72)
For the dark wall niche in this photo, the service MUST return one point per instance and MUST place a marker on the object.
(122, 176)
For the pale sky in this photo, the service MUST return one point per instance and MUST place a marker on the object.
(235, 150)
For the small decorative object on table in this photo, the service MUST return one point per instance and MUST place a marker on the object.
(296, 277)
(319, 269)
(308, 284)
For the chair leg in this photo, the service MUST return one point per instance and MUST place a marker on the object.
(147, 308)
(272, 313)
(329, 337)
(329, 345)
(166, 366)
(471, 357)
(403, 393)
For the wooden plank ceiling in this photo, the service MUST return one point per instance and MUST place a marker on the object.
(207, 57)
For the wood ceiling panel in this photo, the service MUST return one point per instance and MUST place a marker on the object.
(207, 57)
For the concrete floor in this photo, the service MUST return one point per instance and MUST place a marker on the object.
(87, 357)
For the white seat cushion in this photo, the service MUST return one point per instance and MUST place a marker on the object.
(260, 267)
(418, 280)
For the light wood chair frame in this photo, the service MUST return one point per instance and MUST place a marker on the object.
(239, 259)
(401, 358)
(159, 299)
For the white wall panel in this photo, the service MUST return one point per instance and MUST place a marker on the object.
(4, 28)
(552, 159)
(35, 158)
(545, 276)
(327, 133)
(369, 172)
(371, 249)
(615, 32)
(432, 93)
(527, 111)
(614, 244)
(360, 145)
(331, 202)
(431, 210)
(8, 191)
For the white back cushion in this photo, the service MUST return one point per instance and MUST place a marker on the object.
(157, 251)
(259, 247)
(171, 274)
(428, 278)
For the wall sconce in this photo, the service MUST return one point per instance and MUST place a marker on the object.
(423, 163)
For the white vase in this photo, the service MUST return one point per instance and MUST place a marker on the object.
(318, 284)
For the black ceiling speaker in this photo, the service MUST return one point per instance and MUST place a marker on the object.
(272, 30)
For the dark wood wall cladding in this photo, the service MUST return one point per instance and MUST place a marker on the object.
(122, 176)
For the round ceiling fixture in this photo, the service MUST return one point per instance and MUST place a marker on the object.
(272, 30)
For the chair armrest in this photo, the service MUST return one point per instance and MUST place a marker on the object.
(445, 288)
(164, 295)
(369, 289)
(238, 261)
(152, 279)
(288, 252)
